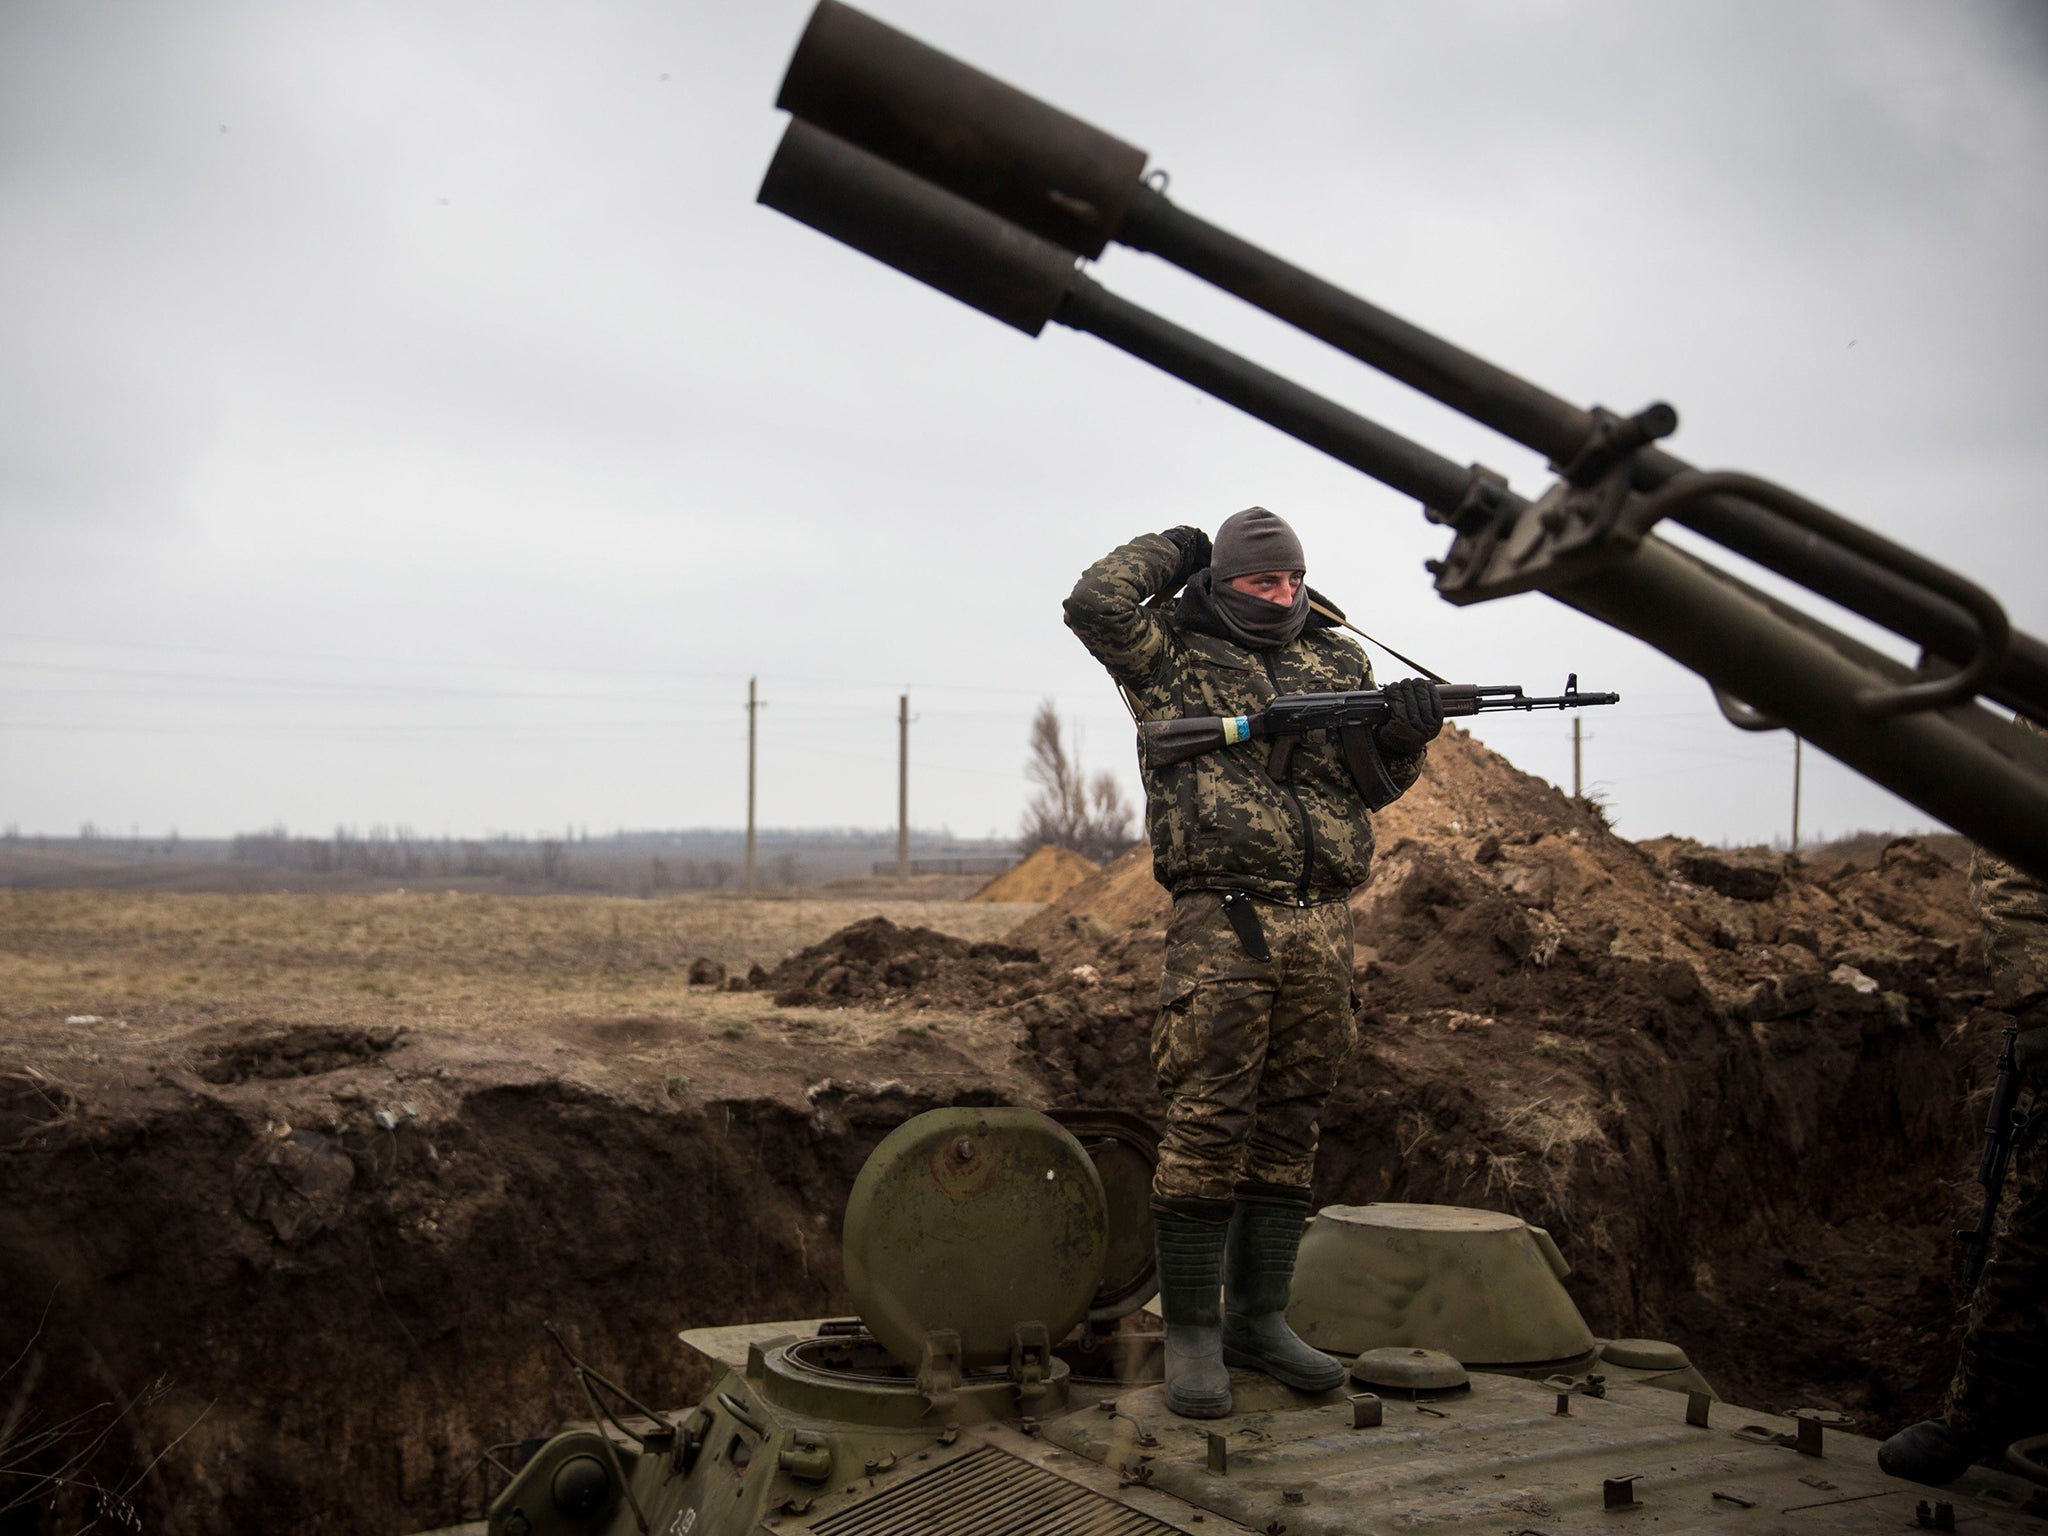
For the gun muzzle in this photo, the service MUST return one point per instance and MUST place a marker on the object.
(960, 129)
(921, 230)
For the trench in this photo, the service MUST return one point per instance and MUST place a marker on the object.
(218, 1321)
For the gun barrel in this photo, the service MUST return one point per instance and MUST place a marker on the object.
(957, 128)
(1461, 699)
(1487, 706)
(1302, 414)
(1553, 426)
(945, 241)
(1011, 275)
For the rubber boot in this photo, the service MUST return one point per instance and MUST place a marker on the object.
(1189, 1236)
(1928, 1452)
(1258, 1274)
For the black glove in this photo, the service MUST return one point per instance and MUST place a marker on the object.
(1193, 545)
(1417, 714)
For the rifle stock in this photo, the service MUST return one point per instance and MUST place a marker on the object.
(1163, 743)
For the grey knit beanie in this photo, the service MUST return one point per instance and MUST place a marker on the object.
(1255, 540)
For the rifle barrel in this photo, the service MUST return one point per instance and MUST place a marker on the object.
(1314, 419)
(1556, 701)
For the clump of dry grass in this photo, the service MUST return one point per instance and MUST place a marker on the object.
(32, 1087)
(44, 1459)
(1542, 1142)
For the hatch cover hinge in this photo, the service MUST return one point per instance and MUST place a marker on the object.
(938, 1369)
(1030, 1360)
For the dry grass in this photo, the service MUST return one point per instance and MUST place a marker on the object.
(441, 959)
(1550, 1134)
(1551, 1127)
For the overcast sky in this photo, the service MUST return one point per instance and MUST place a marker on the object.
(407, 416)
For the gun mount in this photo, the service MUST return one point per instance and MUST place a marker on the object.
(996, 198)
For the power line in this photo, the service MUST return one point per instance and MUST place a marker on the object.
(877, 682)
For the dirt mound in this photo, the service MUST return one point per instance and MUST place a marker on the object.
(878, 965)
(1552, 874)
(1046, 875)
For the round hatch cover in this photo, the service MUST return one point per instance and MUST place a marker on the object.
(1644, 1355)
(1125, 1151)
(974, 1220)
(1395, 1369)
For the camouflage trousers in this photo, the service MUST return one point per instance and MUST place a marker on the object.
(2000, 1390)
(1246, 1051)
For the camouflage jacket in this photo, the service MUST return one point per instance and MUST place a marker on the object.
(1219, 821)
(2013, 907)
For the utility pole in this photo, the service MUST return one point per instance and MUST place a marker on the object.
(903, 786)
(1577, 792)
(1797, 746)
(753, 705)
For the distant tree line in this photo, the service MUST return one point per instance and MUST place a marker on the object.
(398, 854)
(386, 853)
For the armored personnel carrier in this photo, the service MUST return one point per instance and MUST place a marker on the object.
(1002, 1377)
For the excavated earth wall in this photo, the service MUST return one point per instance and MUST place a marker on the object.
(297, 1275)
(322, 1329)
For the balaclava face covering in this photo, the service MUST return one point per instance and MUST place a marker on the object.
(1248, 542)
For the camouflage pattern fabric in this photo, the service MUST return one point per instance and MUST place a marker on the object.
(2000, 1389)
(1219, 822)
(2013, 907)
(1246, 1051)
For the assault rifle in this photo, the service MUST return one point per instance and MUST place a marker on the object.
(996, 198)
(2001, 1131)
(1350, 717)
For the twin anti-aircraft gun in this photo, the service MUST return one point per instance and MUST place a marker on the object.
(998, 199)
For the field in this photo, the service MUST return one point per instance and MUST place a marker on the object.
(159, 963)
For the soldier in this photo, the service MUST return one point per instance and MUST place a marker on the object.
(1255, 1009)
(2000, 1389)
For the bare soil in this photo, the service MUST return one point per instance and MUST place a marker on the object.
(1046, 875)
(288, 1185)
(1749, 1119)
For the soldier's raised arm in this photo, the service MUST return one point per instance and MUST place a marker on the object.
(1106, 609)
